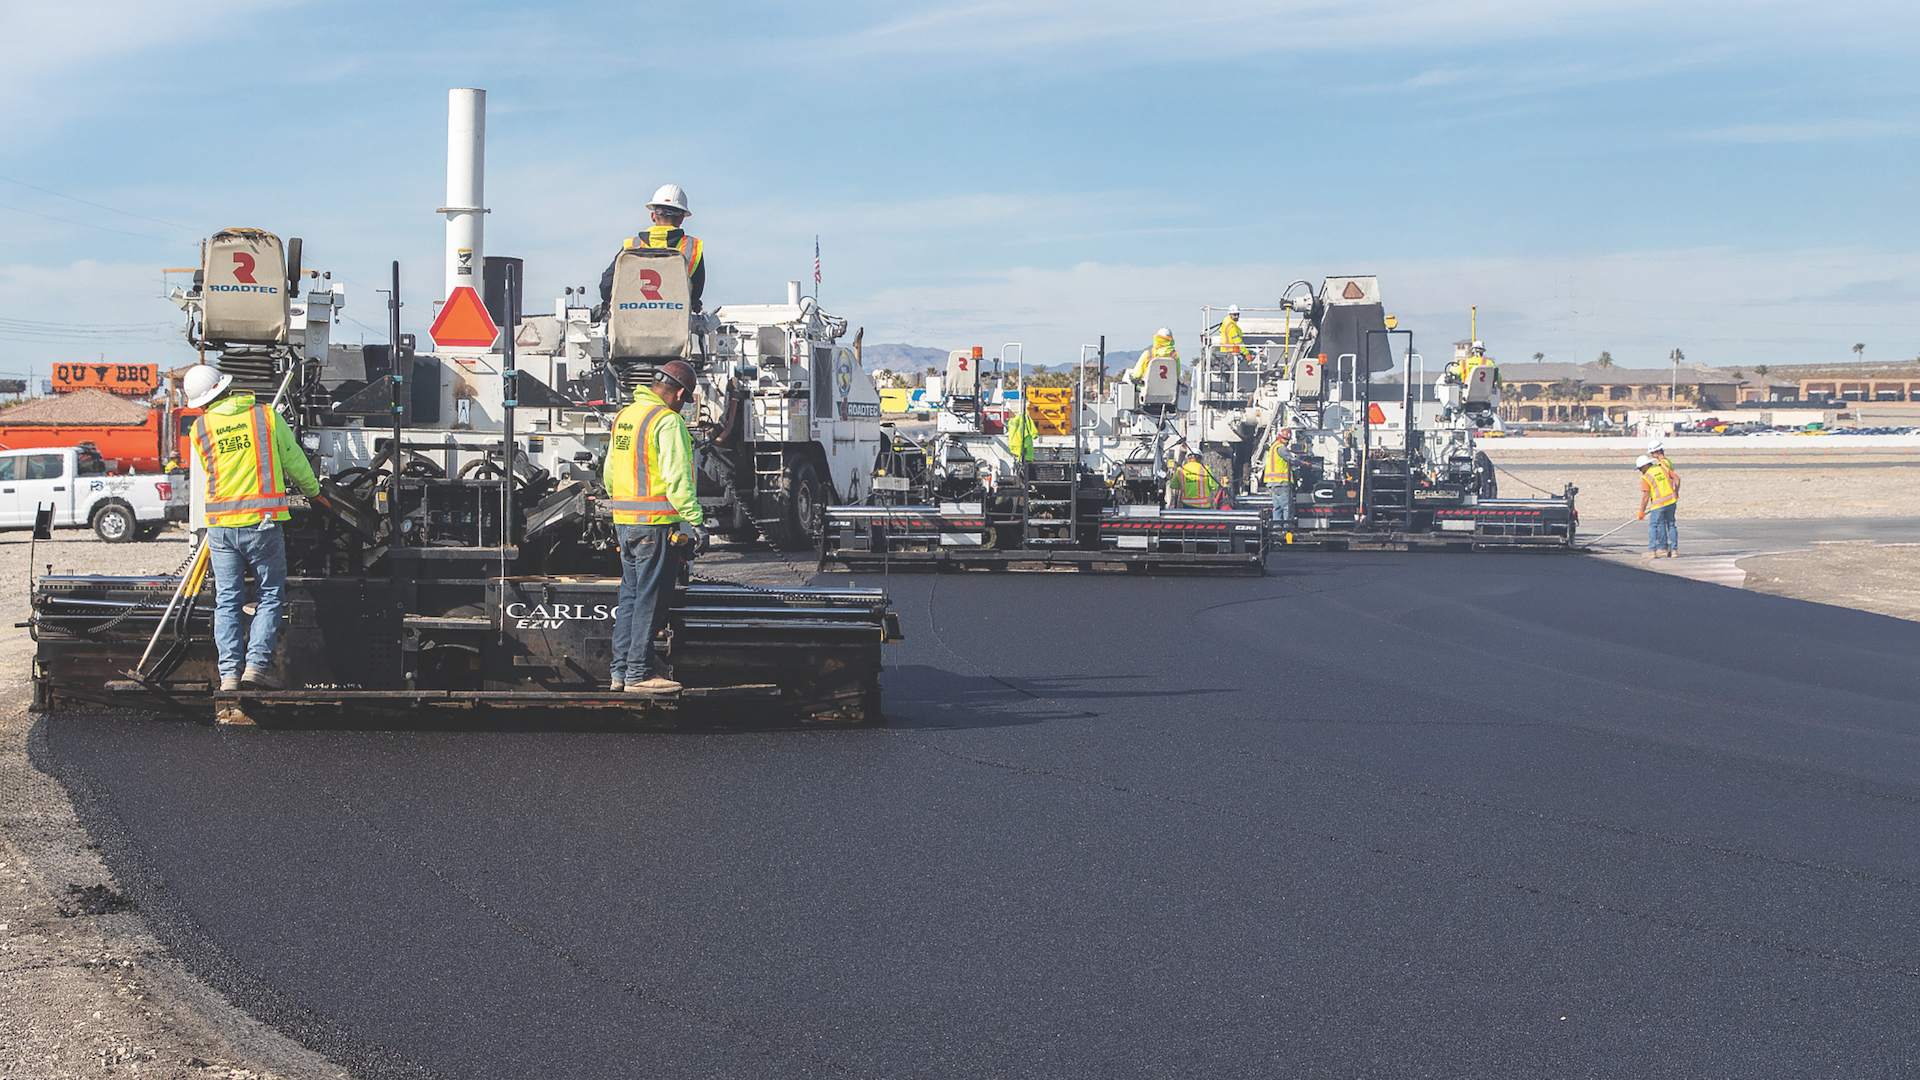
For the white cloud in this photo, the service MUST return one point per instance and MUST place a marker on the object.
(1819, 131)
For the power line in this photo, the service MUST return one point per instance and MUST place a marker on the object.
(85, 225)
(97, 206)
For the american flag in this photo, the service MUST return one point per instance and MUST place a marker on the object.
(816, 262)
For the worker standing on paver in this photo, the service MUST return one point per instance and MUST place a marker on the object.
(669, 208)
(1277, 473)
(649, 481)
(1162, 349)
(1658, 497)
(244, 454)
(1021, 431)
(1230, 340)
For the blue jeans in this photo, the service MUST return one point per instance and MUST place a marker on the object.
(1282, 503)
(1662, 530)
(231, 553)
(648, 567)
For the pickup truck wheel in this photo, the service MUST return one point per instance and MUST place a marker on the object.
(114, 523)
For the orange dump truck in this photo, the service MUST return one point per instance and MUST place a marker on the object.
(131, 435)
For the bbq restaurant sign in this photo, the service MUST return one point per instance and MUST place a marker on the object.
(134, 380)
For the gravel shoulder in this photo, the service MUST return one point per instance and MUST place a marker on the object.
(86, 990)
(1880, 578)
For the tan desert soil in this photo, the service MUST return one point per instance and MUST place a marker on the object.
(1883, 579)
(1809, 487)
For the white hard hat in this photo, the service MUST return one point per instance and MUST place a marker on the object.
(1163, 332)
(670, 197)
(1479, 344)
(1657, 447)
(1233, 309)
(1643, 462)
(202, 383)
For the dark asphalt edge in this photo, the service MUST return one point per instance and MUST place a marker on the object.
(189, 945)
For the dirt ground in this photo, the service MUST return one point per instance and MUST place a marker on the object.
(1800, 486)
(1883, 578)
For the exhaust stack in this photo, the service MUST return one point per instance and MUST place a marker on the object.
(466, 191)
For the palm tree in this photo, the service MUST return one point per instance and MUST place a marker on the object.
(1606, 360)
(1858, 348)
(1760, 370)
(1539, 356)
(1673, 383)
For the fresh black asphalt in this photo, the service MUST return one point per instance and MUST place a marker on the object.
(1374, 815)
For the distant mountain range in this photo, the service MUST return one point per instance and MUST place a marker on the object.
(903, 358)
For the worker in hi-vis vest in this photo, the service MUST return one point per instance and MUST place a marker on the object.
(1229, 338)
(669, 207)
(244, 455)
(1162, 349)
(1277, 473)
(649, 481)
(1199, 488)
(1659, 499)
(1021, 431)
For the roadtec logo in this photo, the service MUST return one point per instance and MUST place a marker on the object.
(551, 616)
(269, 289)
(641, 305)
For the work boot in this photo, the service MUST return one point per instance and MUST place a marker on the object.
(654, 685)
(229, 683)
(616, 686)
(260, 680)
(1649, 554)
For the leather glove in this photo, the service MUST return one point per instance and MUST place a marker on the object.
(702, 539)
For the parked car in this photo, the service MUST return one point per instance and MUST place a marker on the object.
(75, 480)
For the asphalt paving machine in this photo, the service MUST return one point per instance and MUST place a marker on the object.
(1093, 493)
(1380, 457)
(446, 577)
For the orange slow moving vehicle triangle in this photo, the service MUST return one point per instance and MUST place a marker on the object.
(463, 322)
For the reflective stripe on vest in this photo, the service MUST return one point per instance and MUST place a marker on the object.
(1660, 488)
(661, 236)
(1230, 336)
(264, 490)
(1197, 486)
(649, 502)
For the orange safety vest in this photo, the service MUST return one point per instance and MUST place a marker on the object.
(636, 485)
(1230, 337)
(244, 482)
(1659, 486)
(658, 236)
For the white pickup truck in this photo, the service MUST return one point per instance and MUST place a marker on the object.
(129, 506)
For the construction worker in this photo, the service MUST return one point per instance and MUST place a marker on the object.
(1476, 358)
(1658, 452)
(1229, 339)
(1277, 473)
(649, 481)
(1162, 350)
(1658, 497)
(669, 207)
(245, 454)
(1199, 488)
(1021, 431)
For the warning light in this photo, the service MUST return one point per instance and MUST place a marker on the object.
(463, 322)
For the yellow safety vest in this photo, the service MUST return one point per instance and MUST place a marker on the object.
(244, 480)
(1672, 473)
(1230, 340)
(663, 236)
(1021, 431)
(1471, 362)
(1198, 488)
(1659, 485)
(1162, 350)
(1278, 471)
(636, 478)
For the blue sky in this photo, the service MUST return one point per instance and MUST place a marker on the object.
(1737, 180)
